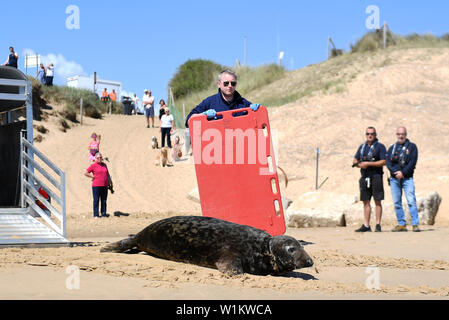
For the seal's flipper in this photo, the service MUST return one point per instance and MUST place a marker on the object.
(121, 246)
(229, 264)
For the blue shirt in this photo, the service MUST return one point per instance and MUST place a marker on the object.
(373, 153)
(41, 76)
(12, 61)
(219, 104)
(402, 158)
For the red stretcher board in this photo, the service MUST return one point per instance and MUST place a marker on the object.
(236, 169)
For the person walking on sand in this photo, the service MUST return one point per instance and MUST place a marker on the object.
(148, 104)
(370, 158)
(135, 100)
(101, 180)
(401, 162)
(162, 107)
(167, 127)
(94, 146)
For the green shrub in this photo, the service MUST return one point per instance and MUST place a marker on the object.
(194, 76)
(372, 41)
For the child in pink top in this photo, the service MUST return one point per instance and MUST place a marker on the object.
(94, 146)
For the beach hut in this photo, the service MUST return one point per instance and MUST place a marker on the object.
(27, 217)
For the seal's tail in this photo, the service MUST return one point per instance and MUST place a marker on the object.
(120, 246)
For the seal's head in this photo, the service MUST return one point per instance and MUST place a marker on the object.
(289, 254)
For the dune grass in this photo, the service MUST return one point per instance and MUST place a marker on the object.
(373, 41)
(333, 75)
(70, 97)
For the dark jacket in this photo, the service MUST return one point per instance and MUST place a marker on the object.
(402, 158)
(371, 154)
(217, 103)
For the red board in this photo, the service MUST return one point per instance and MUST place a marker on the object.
(236, 169)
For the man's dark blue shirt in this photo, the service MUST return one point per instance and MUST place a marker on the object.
(408, 152)
(374, 153)
(219, 104)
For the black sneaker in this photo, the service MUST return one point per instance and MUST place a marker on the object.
(378, 228)
(363, 229)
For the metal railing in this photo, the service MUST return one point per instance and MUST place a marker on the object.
(30, 184)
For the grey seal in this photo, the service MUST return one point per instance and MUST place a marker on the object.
(209, 242)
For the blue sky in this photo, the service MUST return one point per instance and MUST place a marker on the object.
(142, 43)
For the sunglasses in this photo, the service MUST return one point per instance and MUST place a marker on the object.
(370, 133)
(400, 134)
(233, 83)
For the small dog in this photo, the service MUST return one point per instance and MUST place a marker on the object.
(154, 143)
(162, 157)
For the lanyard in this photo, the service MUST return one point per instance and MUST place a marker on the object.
(370, 152)
(401, 153)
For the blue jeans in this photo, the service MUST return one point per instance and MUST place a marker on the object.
(100, 194)
(409, 189)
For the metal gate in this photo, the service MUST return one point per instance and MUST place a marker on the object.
(37, 220)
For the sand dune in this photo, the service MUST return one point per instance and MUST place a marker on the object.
(410, 90)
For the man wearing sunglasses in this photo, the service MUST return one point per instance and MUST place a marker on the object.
(370, 158)
(226, 99)
(401, 162)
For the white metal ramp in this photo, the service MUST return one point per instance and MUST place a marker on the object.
(20, 228)
(38, 220)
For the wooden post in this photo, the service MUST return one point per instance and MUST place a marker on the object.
(244, 52)
(385, 34)
(329, 49)
(184, 111)
(81, 111)
(317, 164)
(37, 67)
(95, 82)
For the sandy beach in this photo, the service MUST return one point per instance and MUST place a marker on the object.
(408, 265)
